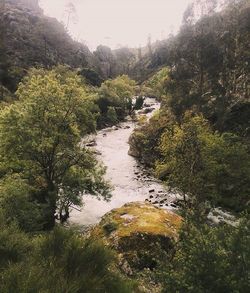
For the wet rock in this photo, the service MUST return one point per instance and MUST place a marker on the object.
(115, 128)
(217, 216)
(173, 205)
(91, 143)
(151, 190)
(104, 134)
(147, 110)
(151, 196)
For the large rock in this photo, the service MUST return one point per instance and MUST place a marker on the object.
(142, 234)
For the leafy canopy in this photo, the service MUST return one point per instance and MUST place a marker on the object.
(41, 138)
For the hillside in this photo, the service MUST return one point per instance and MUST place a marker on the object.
(29, 38)
(126, 170)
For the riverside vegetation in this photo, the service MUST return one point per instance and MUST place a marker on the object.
(197, 144)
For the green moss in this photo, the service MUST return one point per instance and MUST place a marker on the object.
(110, 227)
(144, 238)
(143, 218)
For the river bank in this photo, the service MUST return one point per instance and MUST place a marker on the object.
(130, 180)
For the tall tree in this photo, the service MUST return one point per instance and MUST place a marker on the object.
(53, 112)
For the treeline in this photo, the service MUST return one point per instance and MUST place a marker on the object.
(199, 141)
(29, 39)
(198, 144)
(45, 170)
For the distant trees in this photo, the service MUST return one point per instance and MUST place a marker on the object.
(116, 93)
(209, 64)
(53, 112)
(157, 82)
(106, 59)
(91, 76)
(42, 40)
(71, 14)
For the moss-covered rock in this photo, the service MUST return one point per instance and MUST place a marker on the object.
(143, 236)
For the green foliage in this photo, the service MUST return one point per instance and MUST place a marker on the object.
(205, 164)
(110, 227)
(32, 39)
(54, 110)
(91, 76)
(112, 116)
(14, 244)
(60, 261)
(157, 82)
(145, 140)
(116, 93)
(190, 156)
(211, 259)
(138, 103)
(19, 206)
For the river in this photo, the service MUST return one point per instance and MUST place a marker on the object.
(130, 181)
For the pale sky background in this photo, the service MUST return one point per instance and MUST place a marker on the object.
(119, 22)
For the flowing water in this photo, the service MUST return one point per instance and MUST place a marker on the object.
(129, 180)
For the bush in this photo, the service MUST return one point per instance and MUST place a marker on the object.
(62, 261)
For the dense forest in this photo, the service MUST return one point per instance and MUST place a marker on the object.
(55, 92)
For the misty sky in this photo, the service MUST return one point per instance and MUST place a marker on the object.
(119, 22)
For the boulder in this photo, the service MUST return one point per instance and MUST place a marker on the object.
(143, 235)
(91, 143)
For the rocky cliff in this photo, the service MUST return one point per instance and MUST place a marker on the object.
(29, 38)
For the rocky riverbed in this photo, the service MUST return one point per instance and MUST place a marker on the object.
(130, 181)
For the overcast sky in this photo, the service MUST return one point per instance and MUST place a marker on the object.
(119, 22)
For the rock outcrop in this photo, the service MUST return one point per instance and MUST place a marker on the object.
(31, 39)
(143, 236)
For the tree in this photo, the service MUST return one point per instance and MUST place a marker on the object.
(70, 11)
(138, 103)
(158, 82)
(204, 164)
(210, 259)
(112, 116)
(116, 93)
(53, 112)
